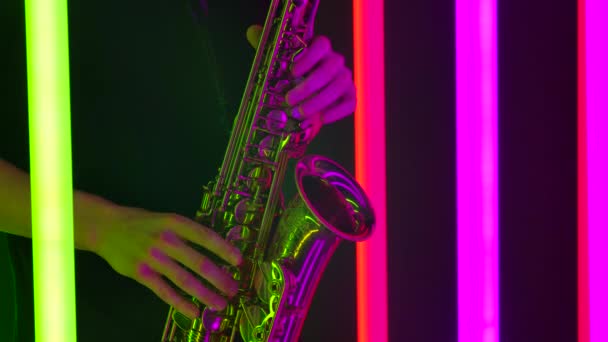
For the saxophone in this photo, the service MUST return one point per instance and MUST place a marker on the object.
(285, 248)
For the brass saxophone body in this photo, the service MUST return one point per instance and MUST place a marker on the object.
(285, 249)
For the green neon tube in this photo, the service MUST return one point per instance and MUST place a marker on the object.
(51, 170)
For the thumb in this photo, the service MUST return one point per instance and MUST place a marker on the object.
(254, 33)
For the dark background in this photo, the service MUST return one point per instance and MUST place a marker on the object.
(537, 145)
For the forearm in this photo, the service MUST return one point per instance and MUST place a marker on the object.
(15, 208)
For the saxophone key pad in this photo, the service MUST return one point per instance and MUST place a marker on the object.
(267, 147)
(242, 212)
(213, 321)
(276, 120)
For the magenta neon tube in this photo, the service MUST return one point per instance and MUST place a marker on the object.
(477, 170)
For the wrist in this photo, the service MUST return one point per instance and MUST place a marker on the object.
(93, 216)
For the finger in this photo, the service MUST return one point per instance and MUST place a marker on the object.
(204, 237)
(319, 78)
(314, 124)
(343, 108)
(328, 96)
(162, 264)
(153, 281)
(311, 56)
(254, 34)
(198, 263)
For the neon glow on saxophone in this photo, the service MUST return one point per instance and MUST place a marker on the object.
(285, 249)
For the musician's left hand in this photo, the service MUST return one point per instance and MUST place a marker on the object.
(326, 92)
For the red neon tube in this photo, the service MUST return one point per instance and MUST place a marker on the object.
(583, 246)
(370, 167)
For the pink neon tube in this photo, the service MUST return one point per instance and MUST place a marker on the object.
(583, 236)
(477, 170)
(596, 30)
(370, 167)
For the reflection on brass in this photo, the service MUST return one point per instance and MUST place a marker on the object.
(285, 250)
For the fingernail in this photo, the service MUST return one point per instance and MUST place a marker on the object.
(236, 257)
(219, 305)
(288, 100)
(233, 289)
(305, 124)
(192, 312)
(296, 113)
(236, 261)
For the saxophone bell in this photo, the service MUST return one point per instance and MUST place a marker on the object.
(330, 206)
(329, 200)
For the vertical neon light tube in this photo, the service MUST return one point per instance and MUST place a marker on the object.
(583, 236)
(596, 101)
(477, 170)
(51, 170)
(370, 167)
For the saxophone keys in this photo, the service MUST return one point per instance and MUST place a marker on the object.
(267, 147)
(259, 178)
(244, 211)
(276, 120)
(240, 237)
(238, 233)
(215, 321)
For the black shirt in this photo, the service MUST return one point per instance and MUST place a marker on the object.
(153, 91)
